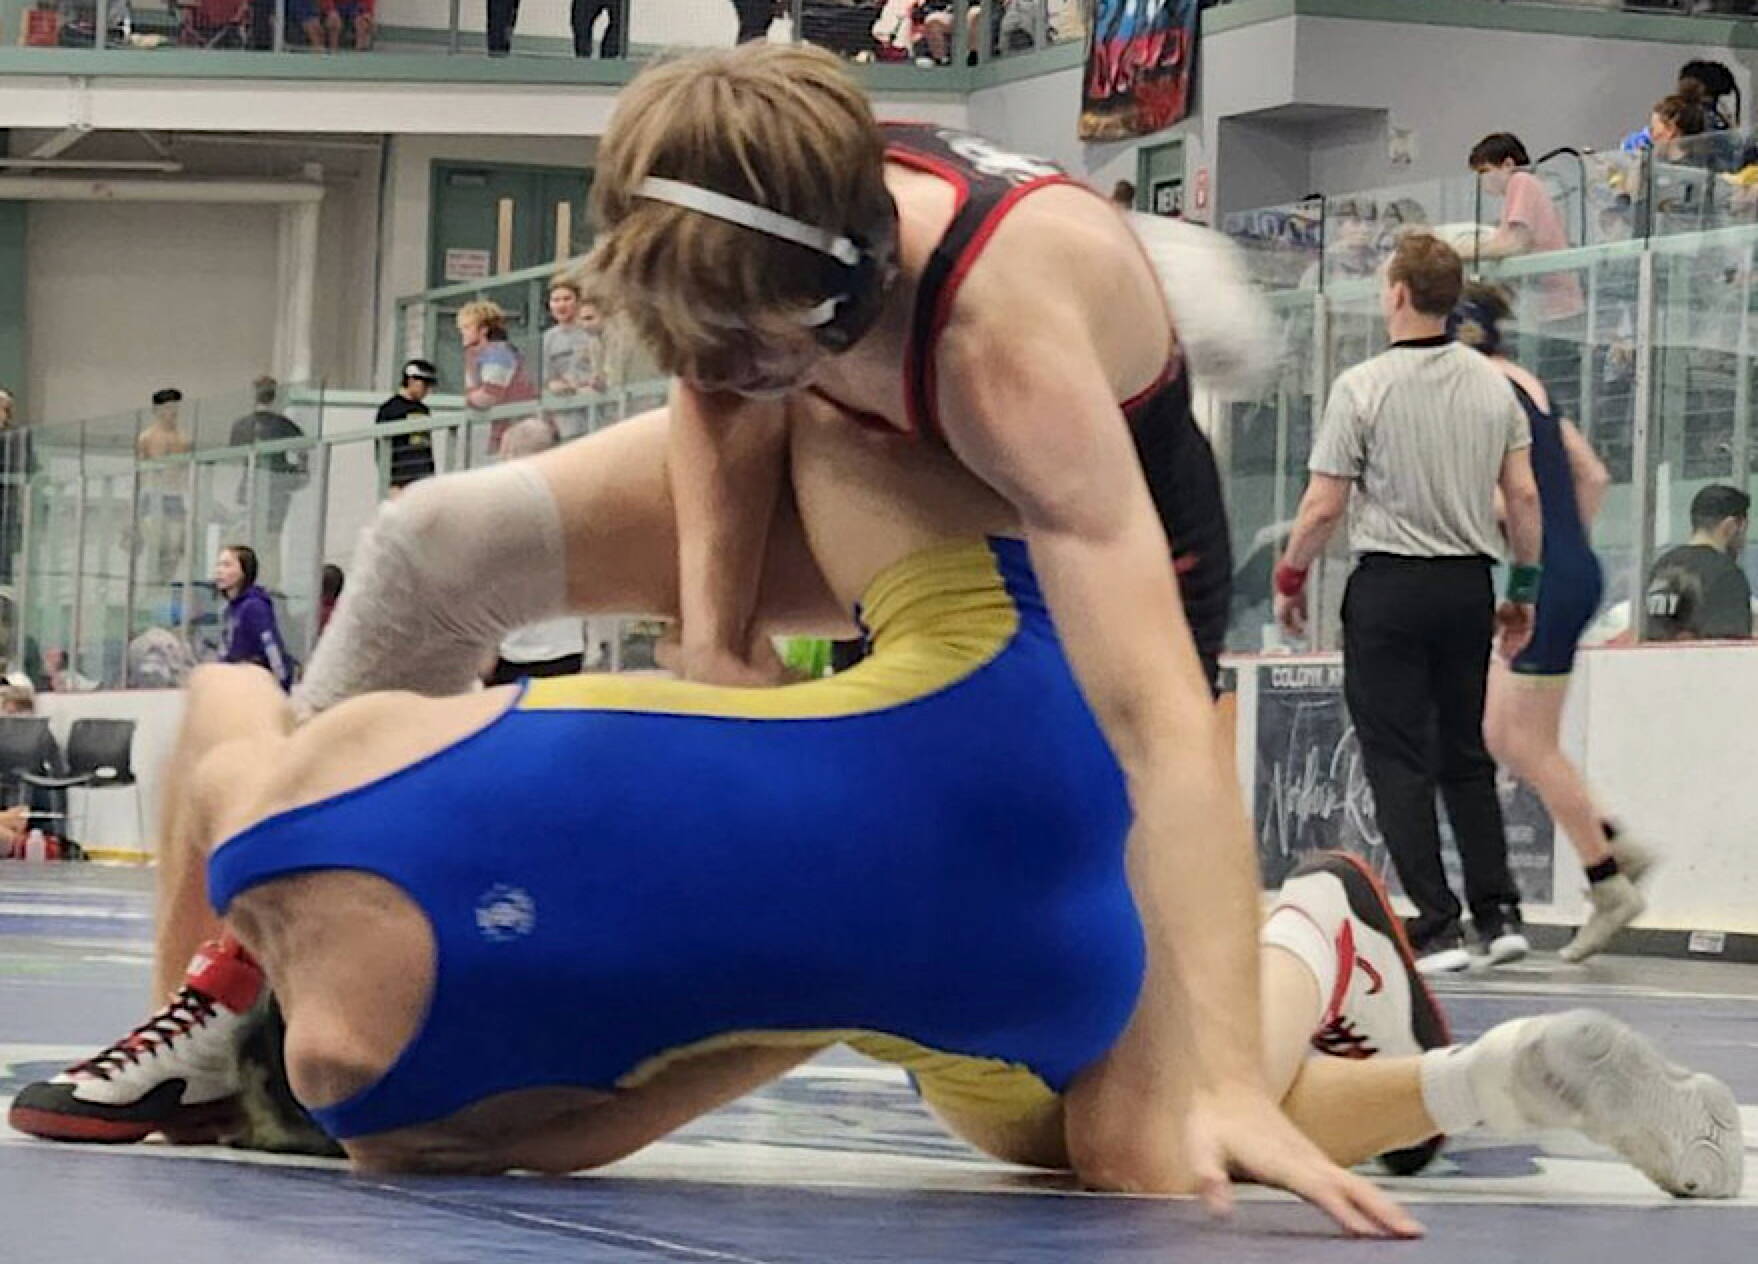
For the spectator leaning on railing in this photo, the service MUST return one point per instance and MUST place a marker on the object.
(494, 369)
(1531, 224)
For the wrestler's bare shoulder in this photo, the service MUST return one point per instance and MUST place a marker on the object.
(357, 742)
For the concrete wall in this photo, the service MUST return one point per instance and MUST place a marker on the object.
(124, 298)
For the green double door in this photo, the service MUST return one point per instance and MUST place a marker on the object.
(490, 218)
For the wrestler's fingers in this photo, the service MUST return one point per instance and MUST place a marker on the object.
(1384, 1210)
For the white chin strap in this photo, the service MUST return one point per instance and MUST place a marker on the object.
(749, 215)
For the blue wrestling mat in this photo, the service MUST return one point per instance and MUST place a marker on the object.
(836, 1163)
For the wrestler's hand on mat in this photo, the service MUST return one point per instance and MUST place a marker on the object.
(1240, 1130)
(1513, 628)
(1291, 613)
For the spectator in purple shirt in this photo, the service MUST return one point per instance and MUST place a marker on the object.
(252, 635)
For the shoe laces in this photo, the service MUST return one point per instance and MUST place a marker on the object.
(187, 1011)
(1339, 1039)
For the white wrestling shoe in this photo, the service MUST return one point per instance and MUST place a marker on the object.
(1589, 1072)
(177, 1073)
(1380, 1006)
(1616, 903)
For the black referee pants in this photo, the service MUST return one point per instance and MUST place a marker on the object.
(1416, 645)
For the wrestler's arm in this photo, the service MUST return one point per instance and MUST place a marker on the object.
(1027, 406)
(727, 460)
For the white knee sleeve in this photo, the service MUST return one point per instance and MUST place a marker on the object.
(443, 573)
(1226, 328)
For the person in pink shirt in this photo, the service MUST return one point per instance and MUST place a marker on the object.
(1531, 224)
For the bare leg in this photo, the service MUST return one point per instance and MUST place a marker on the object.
(226, 706)
(1522, 726)
(1354, 1110)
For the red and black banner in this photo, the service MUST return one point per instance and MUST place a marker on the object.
(1141, 67)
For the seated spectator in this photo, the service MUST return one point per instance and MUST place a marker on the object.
(62, 676)
(18, 697)
(330, 594)
(494, 369)
(410, 457)
(1672, 118)
(1697, 592)
(13, 824)
(324, 21)
(554, 647)
(252, 634)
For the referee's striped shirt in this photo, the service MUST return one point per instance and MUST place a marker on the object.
(1421, 430)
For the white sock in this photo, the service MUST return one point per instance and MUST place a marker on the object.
(1295, 932)
(1470, 1086)
(1447, 1092)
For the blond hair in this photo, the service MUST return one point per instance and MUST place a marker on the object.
(485, 312)
(783, 127)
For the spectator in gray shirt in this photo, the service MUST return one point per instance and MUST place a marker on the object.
(573, 356)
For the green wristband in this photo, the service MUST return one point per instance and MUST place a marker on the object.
(1523, 584)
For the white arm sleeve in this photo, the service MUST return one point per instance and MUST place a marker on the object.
(1224, 324)
(442, 574)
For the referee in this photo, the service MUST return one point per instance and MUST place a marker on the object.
(1424, 433)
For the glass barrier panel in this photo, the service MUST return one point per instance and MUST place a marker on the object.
(281, 524)
(1267, 440)
(1283, 245)
(106, 548)
(1700, 439)
(50, 586)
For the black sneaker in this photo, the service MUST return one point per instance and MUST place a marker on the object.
(1442, 954)
(1505, 942)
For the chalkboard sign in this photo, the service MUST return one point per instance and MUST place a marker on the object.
(1312, 792)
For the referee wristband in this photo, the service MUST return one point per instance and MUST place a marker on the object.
(1523, 584)
(1289, 581)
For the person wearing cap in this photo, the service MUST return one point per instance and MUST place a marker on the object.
(410, 457)
(164, 504)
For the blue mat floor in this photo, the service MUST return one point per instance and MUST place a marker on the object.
(835, 1163)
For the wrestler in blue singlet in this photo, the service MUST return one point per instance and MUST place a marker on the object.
(1569, 596)
(922, 856)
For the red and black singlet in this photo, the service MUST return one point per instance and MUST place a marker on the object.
(1174, 454)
